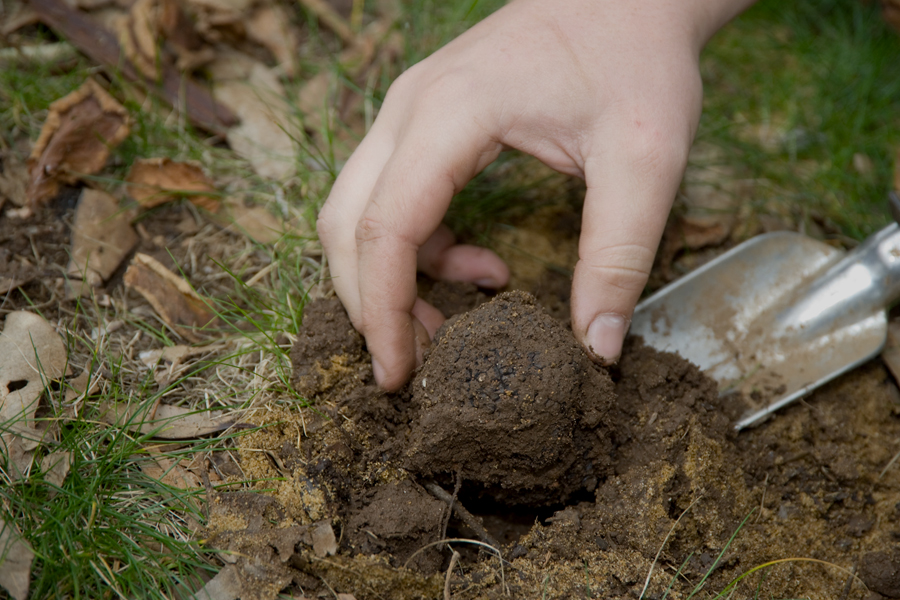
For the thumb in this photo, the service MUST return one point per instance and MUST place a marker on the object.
(625, 212)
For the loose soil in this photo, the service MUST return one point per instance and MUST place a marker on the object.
(586, 482)
(590, 481)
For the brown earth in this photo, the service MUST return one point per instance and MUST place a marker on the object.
(587, 482)
(585, 475)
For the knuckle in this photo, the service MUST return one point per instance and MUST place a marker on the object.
(625, 267)
(370, 229)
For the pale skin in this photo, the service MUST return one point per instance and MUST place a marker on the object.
(605, 90)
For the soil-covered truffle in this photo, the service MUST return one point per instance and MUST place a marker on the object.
(507, 398)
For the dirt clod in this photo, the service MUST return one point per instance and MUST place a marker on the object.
(881, 572)
(504, 398)
(327, 350)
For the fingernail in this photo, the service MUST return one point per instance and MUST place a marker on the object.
(378, 371)
(423, 341)
(487, 282)
(605, 336)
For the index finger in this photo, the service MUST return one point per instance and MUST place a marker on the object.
(433, 161)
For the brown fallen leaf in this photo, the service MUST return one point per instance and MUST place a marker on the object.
(98, 43)
(136, 33)
(76, 139)
(16, 557)
(226, 585)
(31, 356)
(255, 222)
(323, 541)
(13, 179)
(182, 37)
(82, 385)
(270, 27)
(170, 472)
(55, 467)
(155, 181)
(102, 237)
(264, 135)
(171, 297)
(169, 422)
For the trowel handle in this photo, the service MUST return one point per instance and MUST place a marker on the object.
(879, 255)
(864, 281)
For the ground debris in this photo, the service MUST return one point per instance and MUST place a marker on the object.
(155, 181)
(172, 297)
(76, 140)
(102, 236)
(32, 355)
(262, 543)
(166, 422)
(16, 557)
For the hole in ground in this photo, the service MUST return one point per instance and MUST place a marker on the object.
(507, 523)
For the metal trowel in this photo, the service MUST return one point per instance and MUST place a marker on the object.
(779, 315)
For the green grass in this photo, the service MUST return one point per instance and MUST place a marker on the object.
(826, 77)
(108, 530)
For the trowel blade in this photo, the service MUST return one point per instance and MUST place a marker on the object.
(719, 317)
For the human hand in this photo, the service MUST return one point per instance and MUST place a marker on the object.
(606, 91)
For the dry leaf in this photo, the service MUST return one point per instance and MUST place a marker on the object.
(75, 140)
(182, 38)
(24, 17)
(83, 385)
(55, 467)
(170, 296)
(13, 179)
(270, 27)
(31, 355)
(155, 181)
(102, 237)
(255, 222)
(323, 541)
(169, 472)
(16, 557)
(169, 422)
(226, 585)
(137, 37)
(264, 135)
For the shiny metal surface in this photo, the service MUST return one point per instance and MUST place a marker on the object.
(779, 315)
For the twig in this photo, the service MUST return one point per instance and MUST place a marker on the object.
(468, 518)
(453, 560)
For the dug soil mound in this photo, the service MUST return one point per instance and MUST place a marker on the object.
(551, 477)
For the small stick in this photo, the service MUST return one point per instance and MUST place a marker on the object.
(467, 517)
(453, 560)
